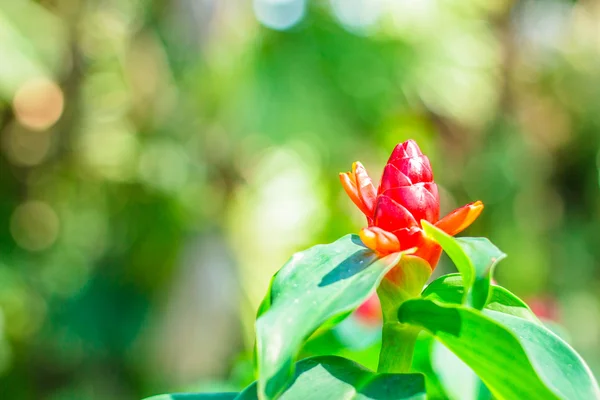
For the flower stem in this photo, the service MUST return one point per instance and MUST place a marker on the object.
(397, 348)
(403, 283)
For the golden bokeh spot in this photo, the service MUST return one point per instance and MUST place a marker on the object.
(38, 103)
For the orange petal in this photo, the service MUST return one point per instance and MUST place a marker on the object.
(460, 219)
(349, 184)
(366, 190)
(380, 241)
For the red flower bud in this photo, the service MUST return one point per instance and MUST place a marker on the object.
(369, 312)
(545, 307)
(407, 194)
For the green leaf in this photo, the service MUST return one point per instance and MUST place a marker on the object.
(311, 288)
(449, 289)
(475, 259)
(514, 357)
(458, 380)
(405, 282)
(333, 378)
(422, 364)
(334, 342)
(194, 396)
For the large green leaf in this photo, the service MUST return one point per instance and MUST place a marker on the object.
(475, 259)
(516, 358)
(311, 288)
(332, 378)
(449, 289)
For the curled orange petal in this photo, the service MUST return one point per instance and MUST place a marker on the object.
(366, 190)
(349, 184)
(380, 241)
(460, 219)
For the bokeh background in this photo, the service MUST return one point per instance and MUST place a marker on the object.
(160, 160)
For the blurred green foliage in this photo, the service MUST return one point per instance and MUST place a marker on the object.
(159, 160)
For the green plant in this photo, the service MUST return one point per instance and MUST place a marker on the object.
(485, 325)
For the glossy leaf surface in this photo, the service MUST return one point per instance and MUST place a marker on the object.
(311, 288)
(449, 289)
(331, 377)
(514, 357)
(475, 259)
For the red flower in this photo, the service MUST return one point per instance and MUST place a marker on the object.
(369, 312)
(407, 194)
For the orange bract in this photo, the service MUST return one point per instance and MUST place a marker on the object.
(378, 240)
(460, 219)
